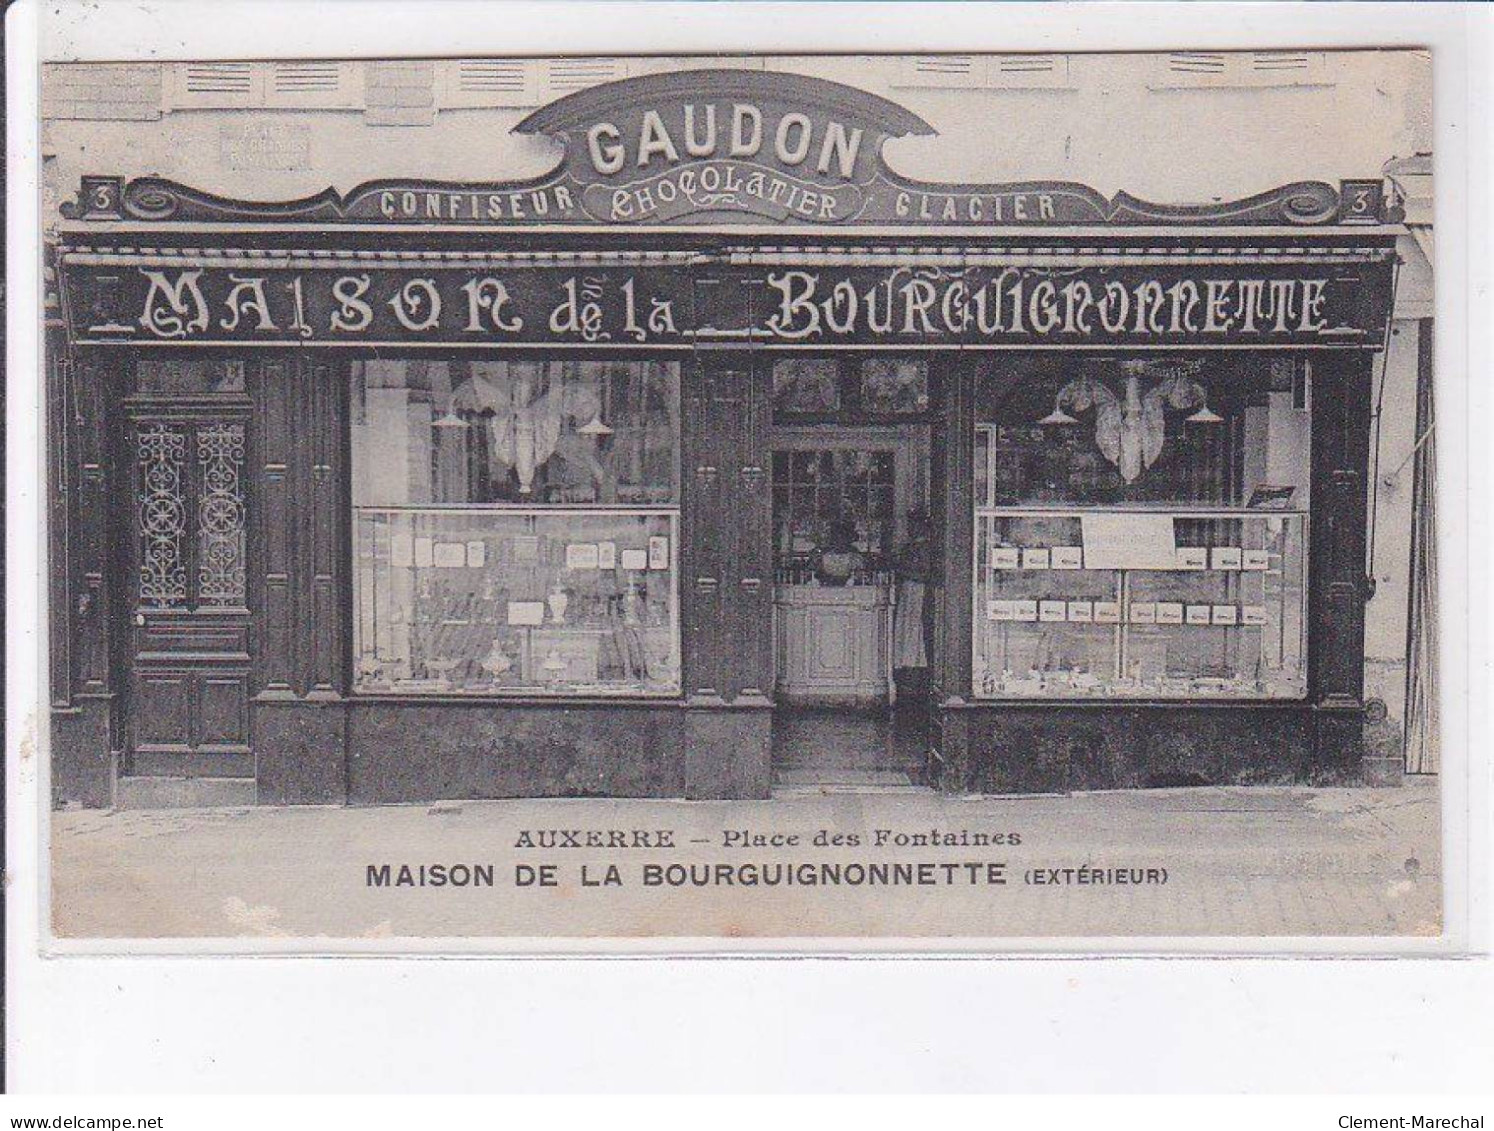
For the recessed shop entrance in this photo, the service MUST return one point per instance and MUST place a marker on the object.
(852, 563)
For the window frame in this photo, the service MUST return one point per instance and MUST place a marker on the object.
(985, 509)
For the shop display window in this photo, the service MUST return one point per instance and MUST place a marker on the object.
(1141, 531)
(516, 528)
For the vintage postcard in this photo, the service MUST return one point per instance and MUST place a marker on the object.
(743, 502)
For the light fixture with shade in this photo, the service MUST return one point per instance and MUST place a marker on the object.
(1079, 394)
(594, 427)
(1179, 390)
(450, 419)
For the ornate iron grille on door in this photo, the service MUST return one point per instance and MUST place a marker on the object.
(220, 516)
(163, 507)
(162, 454)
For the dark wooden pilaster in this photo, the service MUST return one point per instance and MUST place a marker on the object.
(1341, 404)
(80, 400)
(95, 382)
(726, 575)
(727, 560)
(952, 381)
(325, 518)
(62, 478)
(703, 554)
(273, 521)
(299, 545)
(751, 574)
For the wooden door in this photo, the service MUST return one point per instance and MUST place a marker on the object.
(188, 696)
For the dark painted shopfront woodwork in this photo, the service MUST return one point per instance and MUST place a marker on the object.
(297, 562)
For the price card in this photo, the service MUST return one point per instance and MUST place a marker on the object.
(1224, 557)
(449, 555)
(1255, 559)
(526, 612)
(1197, 614)
(1192, 557)
(1051, 612)
(606, 555)
(1253, 614)
(1169, 612)
(1024, 610)
(1067, 557)
(582, 555)
(1005, 557)
(1107, 612)
(424, 552)
(1226, 614)
(1081, 612)
(635, 559)
(402, 551)
(1035, 558)
(526, 549)
(658, 552)
(477, 554)
(999, 610)
(1143, 613)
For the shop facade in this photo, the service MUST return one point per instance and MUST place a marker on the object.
(720, 453)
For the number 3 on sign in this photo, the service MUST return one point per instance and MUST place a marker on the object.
(100, 197)
(1361, 201)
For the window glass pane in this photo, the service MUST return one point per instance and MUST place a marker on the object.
(850, 387)
(1146, 431)
(836, 501)
(188, 376)
(484, 602)
(509, 536)
(894, 385)
(806, 385)
(1141, 530)
(1233, 623)
(1106, 603)
(524, 432)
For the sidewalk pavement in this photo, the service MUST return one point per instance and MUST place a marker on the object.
(1213, 862)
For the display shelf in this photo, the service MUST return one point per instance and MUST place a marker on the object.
(516, 601)
(1140, 603)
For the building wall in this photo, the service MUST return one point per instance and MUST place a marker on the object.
(1164, 127)
(1391, 489)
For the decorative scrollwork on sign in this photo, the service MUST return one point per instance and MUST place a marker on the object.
(220, 516)
(162, 453)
